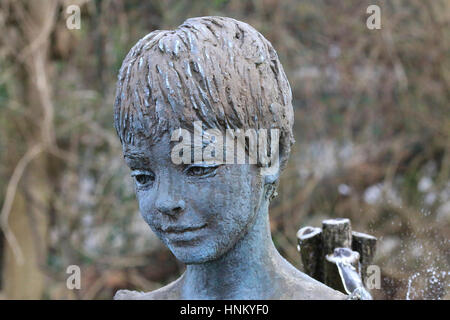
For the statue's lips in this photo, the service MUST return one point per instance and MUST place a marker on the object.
(181, 229)
(182, 233)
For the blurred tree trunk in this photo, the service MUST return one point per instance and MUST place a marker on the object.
(29, 216)
(28, 221)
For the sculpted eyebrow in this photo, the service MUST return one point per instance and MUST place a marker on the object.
(136, 159)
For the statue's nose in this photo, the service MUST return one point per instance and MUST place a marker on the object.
(170, 207)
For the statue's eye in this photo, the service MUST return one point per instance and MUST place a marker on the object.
(201, 171)
(143, 178)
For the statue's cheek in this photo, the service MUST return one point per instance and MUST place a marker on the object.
(146, 204)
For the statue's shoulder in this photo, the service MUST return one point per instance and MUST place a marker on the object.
(128, 295)
(300, 286)
(311, 289)
(168, 292)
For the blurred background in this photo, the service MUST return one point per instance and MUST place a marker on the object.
(372, 128)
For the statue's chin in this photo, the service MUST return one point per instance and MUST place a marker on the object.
(207, 250)
(194, 257)
(193, 261)
(194, 254)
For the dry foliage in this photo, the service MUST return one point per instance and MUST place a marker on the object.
(372, 128)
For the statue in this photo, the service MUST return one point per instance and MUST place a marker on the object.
(219, 80)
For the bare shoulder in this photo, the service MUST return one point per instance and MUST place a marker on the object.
(168, 292)
(311, 289)
(299, 286)
(292, 285)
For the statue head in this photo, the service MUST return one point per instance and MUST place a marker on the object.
(184, 98)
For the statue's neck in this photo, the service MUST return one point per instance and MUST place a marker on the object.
(245, 271)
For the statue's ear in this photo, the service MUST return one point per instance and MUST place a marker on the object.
(277, 164)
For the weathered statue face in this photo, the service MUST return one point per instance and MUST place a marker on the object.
(198, 211)
(224, 74)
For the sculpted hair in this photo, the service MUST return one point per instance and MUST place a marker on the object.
(212, 69)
